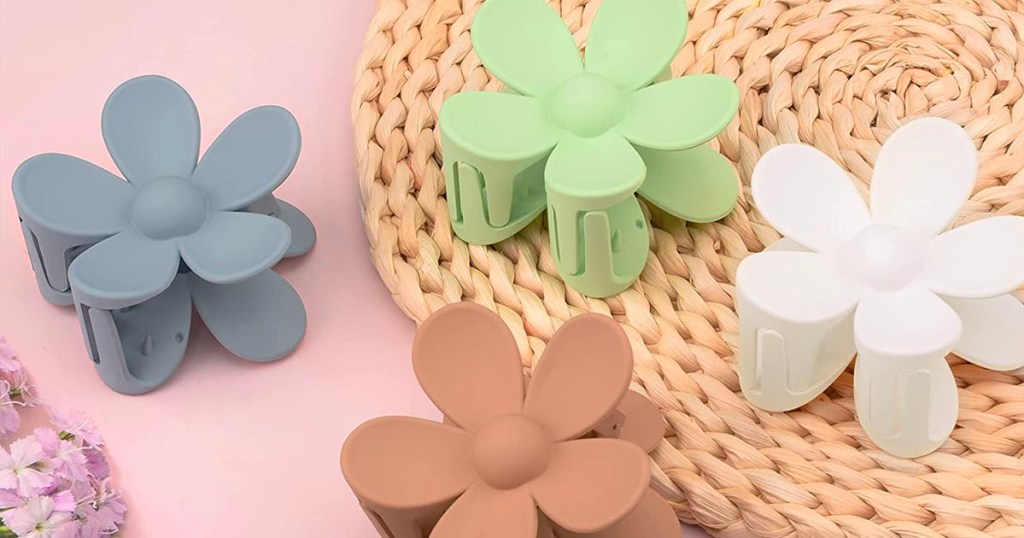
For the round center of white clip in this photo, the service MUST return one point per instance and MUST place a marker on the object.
(588, 105)
(883, 257)
(168, 207)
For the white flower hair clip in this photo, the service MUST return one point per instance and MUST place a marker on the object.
(889, 284)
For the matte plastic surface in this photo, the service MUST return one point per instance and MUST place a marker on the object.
(889, 284)
(582, 138)
(513, 460)
(114, 247)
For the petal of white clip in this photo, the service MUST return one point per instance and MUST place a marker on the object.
(904, 390)
(907, 406)
(993, 337)
(978, 260)
(924, 173)
(796, 333)
(808, 197)
(905, 323)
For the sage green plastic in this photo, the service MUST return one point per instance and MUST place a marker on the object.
(582, 137)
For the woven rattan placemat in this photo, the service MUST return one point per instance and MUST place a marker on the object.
(839, 75)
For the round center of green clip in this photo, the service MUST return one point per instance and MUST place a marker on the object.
(588, 105)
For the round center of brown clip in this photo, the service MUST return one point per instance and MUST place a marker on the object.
(511, 450)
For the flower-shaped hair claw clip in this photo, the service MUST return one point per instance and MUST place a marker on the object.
(583, 138)
(889, 284)
(135, 256)
(573, 445)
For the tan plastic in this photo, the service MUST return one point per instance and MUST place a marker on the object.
(564, 458)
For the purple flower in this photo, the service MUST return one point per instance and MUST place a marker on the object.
(8, 362)
(76, 425)
(68, 461)
(103, 514)
(20, 389)
(10, 499)
(20, 468)
(10, 420)
(96, 464)
(38, 518)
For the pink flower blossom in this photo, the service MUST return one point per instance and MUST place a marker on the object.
(10, 420)
(96, 464)
(103, 514)
(8, 362)
(21, 390)
(77, 425)
(37, 519)
(10, 499)
(67, 460)
(22, 468)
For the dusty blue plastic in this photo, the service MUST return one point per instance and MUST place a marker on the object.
(135, 256)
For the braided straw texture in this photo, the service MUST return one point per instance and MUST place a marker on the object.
(839, 75)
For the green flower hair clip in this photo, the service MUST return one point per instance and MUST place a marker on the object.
(582, 138)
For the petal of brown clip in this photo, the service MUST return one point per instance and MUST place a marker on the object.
(564, 458)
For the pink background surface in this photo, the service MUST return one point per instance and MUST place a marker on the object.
(227, 448)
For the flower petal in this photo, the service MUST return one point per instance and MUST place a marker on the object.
(259, 319)
(598, 253)
(981, 259)
(807, 197)
(906, 404)
(468, 363)
(72, 196)
(407, 463)
(123, 270)
(909, 322)
(992, 335)
(698, 184)
(595, 172)
(652, 518)
(497, 126)
(582, 376)
(592, 483)
(494, 513)
(303, 231)
(231, 247)
(796, 334)
(680, 113)
(923, 175)
(250, 158)
(151, 128)
(525, 44)
(633, 41)
(503, 138)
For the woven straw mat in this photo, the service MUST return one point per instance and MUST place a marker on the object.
(839, 75)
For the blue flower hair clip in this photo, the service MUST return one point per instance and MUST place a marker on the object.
(135, 256)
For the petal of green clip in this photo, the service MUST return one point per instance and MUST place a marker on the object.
(525, 44)
(681, 113)
(633, 41)
(583, 138)
(698, 185)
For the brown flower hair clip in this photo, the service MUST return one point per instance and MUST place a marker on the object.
(566, 457)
